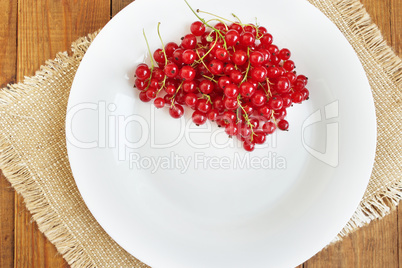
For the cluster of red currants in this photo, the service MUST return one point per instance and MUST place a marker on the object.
(228, 73)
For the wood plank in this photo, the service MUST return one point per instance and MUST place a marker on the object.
(396, 26)
(375, 245)
(118, 5)
(8, 63)
(45, 28)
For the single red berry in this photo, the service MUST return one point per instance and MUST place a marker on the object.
(236, 76)
(191, 100)
(171, 70)
(213, 114)
(247, 39)
(239, 57)
(280, 114)
(275, 103)
(305, 93)
(170, 48)
(272, 72)
(177, 56)
(231, 130)
(158, 74)
(284, 54)
(264, 111)
(159, 103)
(188, 56)
(259, 137)
(283, 124)
(228, 68)
(223, 81)
(168, 99)
(189, 86)
(274, 60)
(159, 56)
(248, 108)
(140, 84)
(256, 58)
(143, 97)
(261, 30)
(229, 117)
(247, 89)
(170, 89)
(289, 65)
(237, 27)
(248, 146)
(176, 111)
(218, 104)
(231, 91)
(273, 49)
(266, 40)
(265, 54)
(203, 105)
(215, 67)
(287, 100)
(143, 72)
(222, 54)
(197, 28)
(268, 128)
(232, 37)
(258, 99)
(231, 103)
(283, 85)
(297, 97)
(291, 76)
(245, 130)
(199, 118)
(255, 123)
(187, 73)
(259, 73)
(189, 41)
(220, 26)
(151, 93)
(206, 86)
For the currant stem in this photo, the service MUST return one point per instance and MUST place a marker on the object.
(163, 46)
(237, 18)
(246, 117)
(248, 66)
(149, 50)
(209, 78)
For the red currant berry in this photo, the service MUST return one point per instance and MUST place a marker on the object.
(239, 57)
(143, 72)
(258, 99)
(255, 123)
(220, 26)
(170, 48)
(206, 86)
(171, 70)
(151, 93)
(248, 108)
(259, 137)
(188, 56)
(264, 111)
(187, 73)
(289, 65)
(229, 117)
(176, 111)
(275, 103)
(284, 54)
(189, 86)
(140, 84)
(203, 105)
(261, 30)
(237, 27)
(189, 41)
(272, 72)
(197, 28)
(199, 118)
(231, 130)
(247, 39)
(143, 96)
(256, 58)
(287, 100)
(191, 100)
(268, 128)
(265, 54)
(213, 114)
(177, 56)
(283, 85)
(291, 76)
(297, 97)
(223, 81)
(170, 89)
(232, 37)
(266, 40)
(283, 124)
(236, 76)
(231, 103)
(159, 103)
(231, 91)
(215, 67)
(168, 99)
(228, 68)
(247, 89)
(221, 54)
(159, 56)
(280, 114)
(259, 73)
(248, 146)
(218, 104)
(158, 74)
(305, 93)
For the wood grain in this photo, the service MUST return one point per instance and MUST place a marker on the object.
(8, 63)
(45, 27)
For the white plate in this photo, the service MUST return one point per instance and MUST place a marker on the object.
(289, 199)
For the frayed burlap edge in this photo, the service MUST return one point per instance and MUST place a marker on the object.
(20, 177)
(352, 14)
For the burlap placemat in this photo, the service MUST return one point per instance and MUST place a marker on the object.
(33, 152)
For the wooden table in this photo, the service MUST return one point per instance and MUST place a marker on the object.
(32, 31)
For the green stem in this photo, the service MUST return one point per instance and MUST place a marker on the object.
(149, 50)
(163, 46)
(219, 17)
